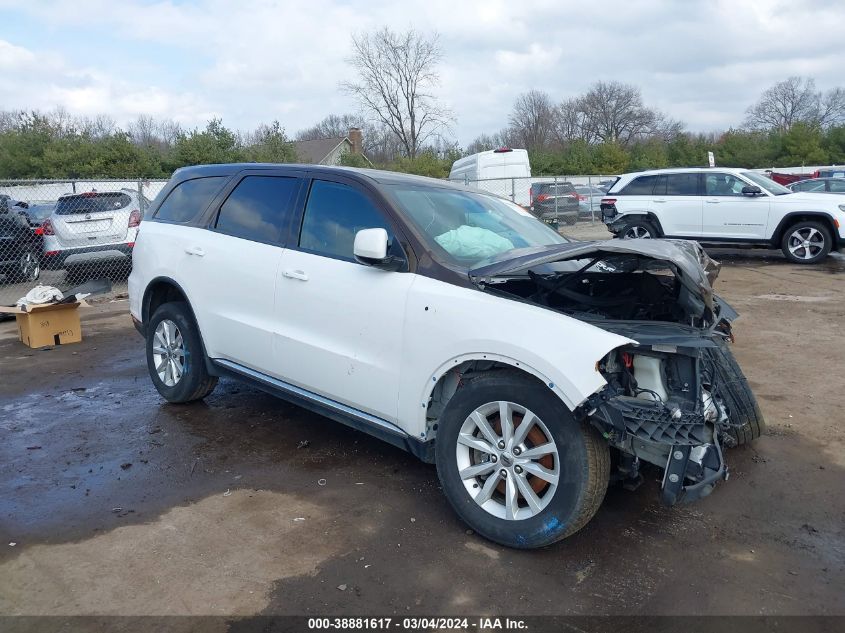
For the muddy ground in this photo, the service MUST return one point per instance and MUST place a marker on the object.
(114, 502)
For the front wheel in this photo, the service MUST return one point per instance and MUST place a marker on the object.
(175, 356)
(806, 242)
(514, 463)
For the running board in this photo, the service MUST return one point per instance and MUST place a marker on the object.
(359, 420)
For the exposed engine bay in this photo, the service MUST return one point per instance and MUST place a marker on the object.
(676, 397)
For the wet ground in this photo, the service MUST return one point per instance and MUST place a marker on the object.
(113, 502)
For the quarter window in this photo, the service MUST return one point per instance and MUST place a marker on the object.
(837, 185)
(259, 208)
(189, 198)
(334, 213)
(723, 185)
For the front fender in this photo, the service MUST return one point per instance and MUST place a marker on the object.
(446, 325)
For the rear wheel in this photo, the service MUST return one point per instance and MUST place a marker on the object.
(806, 242)
(638, 229)
(514, 463)
(29, 267)
(175, 357)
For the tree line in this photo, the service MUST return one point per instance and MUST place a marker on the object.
(608, 129)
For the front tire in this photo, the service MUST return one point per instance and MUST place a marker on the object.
(806, 242)
(520, 486)
(28, 268)
(175, 357)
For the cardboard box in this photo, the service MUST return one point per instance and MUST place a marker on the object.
(48, 324)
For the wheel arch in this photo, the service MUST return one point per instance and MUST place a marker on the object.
(449, 377)
(648, 216)
(792, 218)
(162, 290)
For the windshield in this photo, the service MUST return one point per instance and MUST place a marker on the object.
(469, 227)
(766, 183)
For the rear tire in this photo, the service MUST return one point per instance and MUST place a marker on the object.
(581, 460)
(638, 229)
(806, 242)
(28, 268)
(175, 356)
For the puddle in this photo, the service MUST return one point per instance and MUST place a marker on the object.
(794, 298)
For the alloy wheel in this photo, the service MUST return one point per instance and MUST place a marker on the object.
(508, 460)
(636, 232)
(169, 352)
(29, 267)
(806, 243)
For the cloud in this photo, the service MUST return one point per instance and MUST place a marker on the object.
(700, 61)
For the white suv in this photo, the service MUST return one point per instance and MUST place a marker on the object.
(451, 323)
(725, 206)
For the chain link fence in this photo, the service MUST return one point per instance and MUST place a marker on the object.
(63, 233)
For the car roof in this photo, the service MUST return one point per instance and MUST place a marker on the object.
(377, 176)
(682, 170)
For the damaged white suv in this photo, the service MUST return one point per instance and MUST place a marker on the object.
(532, 370)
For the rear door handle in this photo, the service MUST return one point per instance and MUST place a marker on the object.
(296, 274)
(194, 250)
(660, 200)
(713, 201)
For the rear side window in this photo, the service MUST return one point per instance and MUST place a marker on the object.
(681, 184)
(334, 213)
(641, 186)
(837, 185)
(259, 208)
(189, 199)
(92, 203)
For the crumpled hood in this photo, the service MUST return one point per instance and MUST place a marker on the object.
(695, 269)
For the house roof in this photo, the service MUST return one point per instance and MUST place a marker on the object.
(314, 151)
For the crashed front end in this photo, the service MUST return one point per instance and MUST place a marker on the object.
(675, 396)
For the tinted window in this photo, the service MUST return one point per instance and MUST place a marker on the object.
(334, 213)
(189, 199)
(681, 184)
(258, 208)
(641, 186)
(837, 185)
(92, 203)
(723, 185)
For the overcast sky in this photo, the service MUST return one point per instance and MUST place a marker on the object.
(251, 62)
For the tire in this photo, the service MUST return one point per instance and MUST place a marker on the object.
(562, 509)
(732, 388)
(806, 242)
(28, 268)
(640, 229)
(180, 336)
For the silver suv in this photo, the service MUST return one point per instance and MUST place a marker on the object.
(92, 227)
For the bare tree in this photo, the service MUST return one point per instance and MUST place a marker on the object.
(396, 75)
(333, 126)
(832, 108)
(784, 104)
(568, 122)
(532, 119)
(614, 112)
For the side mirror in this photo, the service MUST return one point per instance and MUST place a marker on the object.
(370, 248)
(751, 190)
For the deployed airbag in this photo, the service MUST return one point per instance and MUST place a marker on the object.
(473, 242)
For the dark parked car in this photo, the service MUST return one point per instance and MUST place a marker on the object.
(554, 203)
(20, 247)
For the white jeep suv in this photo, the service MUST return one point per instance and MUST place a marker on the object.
(725, 206)
(451, 323)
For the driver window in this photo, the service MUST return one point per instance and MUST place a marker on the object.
(723, 185)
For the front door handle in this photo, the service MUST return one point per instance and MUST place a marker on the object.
(296, 274)
(194, 250)
(713, 201)
(660, 200)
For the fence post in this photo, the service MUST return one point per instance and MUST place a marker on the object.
(466, 180)
(557, 215)
(513, 189)
(590, 189)
(141, 198)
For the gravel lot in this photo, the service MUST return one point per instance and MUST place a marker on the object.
(113, 502)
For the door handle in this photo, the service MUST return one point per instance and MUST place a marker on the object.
(194, 250)
(296, 274)
(660, 200)
(712, 201)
